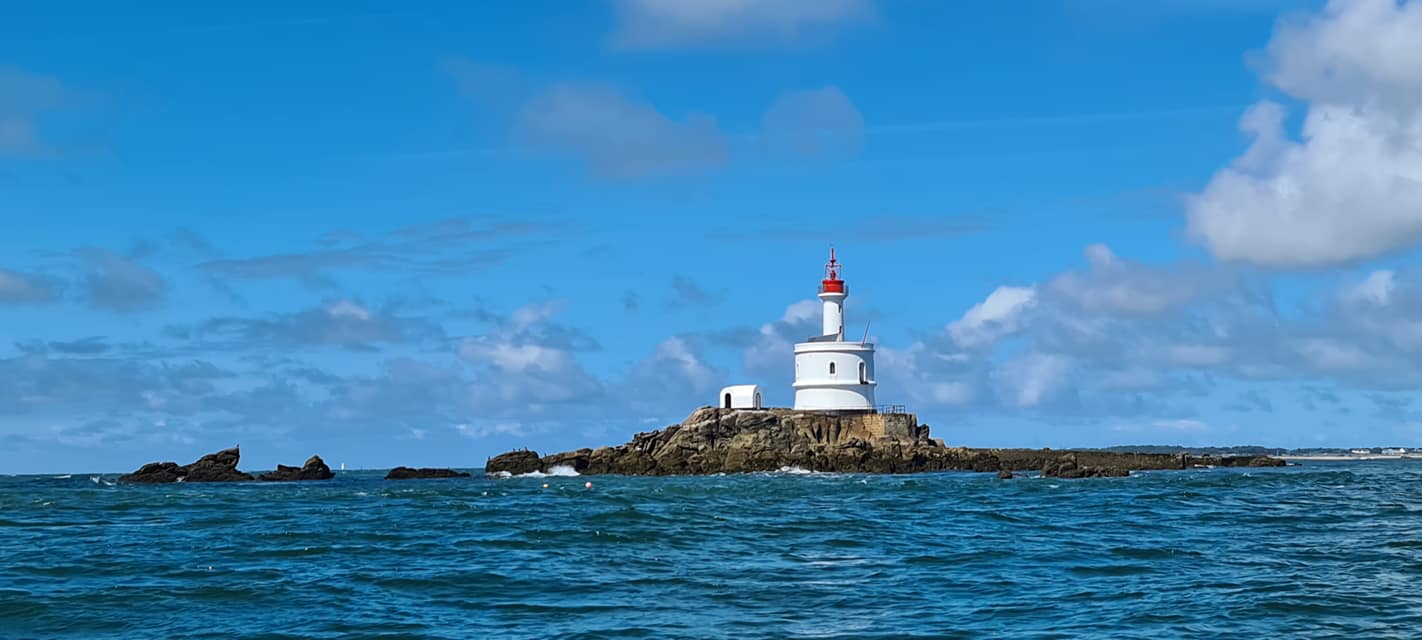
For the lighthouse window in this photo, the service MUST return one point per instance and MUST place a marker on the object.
(863, 374)
(831, 368)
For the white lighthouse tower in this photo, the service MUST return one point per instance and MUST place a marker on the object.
(830, 373)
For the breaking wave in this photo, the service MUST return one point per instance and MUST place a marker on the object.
(555, 471)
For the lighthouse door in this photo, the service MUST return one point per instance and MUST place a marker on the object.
(728, 401)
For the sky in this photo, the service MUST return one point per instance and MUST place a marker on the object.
(425, 234)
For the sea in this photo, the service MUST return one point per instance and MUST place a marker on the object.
(1319, 550)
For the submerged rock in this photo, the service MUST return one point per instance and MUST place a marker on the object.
(410, 473)
(314, 469)
(213, 467)
(1005, 475)
(713, 440)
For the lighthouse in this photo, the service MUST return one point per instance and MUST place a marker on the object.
(832, 374)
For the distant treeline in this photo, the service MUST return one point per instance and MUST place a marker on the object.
(1245, 450)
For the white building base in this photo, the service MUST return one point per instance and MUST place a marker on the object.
(834, 376)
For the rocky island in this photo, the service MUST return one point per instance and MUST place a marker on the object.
(423, 473)
(713, 440)
(222, 467)
(314, 469)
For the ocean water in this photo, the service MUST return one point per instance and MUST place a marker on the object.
(1321, 550)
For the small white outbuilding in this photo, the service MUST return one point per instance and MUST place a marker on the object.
(741, 396)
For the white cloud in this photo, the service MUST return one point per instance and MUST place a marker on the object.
(1196, 355)
(1350, 188)
(673, 378)
(676, 352)
(999, 315)
(815, 122)
(650, 24)
(529, 359)
(766, 354)
(478, 431)
(617, 137)
(1334, 356)
(25, 288)
(951, 393)
(1376, 289)
(23, 97)
(1355, 48)
(120, 283)
(349, 310)
(1178, 425)
(1033, 379)
(1112, 285)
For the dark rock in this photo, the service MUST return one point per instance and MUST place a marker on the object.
(1066, 467)
(213, 467)
(314, 469)
(155, 473)
(216, 467)
(514, 463)
(1005, 475)
(409, 473)
(577, 460)
(1251, 461)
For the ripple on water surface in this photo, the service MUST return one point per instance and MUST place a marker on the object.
(1323, 550)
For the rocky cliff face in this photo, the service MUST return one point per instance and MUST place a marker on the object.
(713, 440)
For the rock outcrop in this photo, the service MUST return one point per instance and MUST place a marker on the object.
(713, 440)
(514, 463)
(1067, 467)
(314, 469)
(213, 467)
(410, 473)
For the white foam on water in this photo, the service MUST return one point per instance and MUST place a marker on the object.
(64, 477)
(795, 471)
(556, 471)
(503, 474)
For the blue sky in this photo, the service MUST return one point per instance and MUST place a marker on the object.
(425, 235)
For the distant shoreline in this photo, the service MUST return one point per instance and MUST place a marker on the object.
(1343, 457)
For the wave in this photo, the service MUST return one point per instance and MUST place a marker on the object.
(64, 477)
(795, 471)
(555, 471)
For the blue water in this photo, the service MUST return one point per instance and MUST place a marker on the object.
(1322, 550)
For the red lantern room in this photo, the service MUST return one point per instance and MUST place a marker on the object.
(832, 282)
